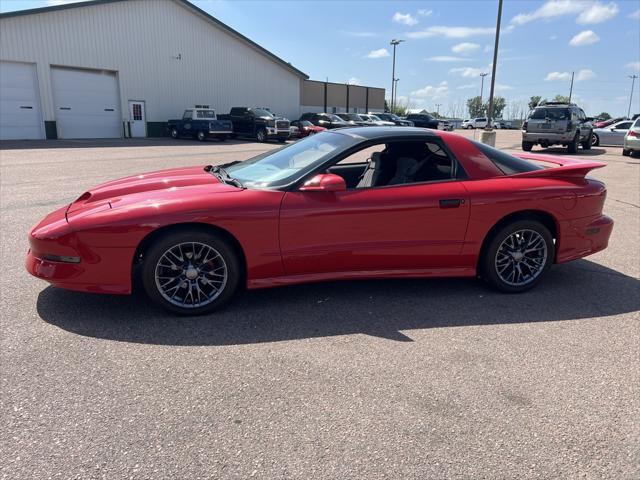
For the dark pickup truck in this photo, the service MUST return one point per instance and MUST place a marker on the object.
(258, 123)
(422, 120)
(200, 123)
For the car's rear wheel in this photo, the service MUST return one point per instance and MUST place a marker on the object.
(174, 133)
(626, 152)
(595, 140)
(261, 135)
(586, 145)
(527, 146)
(191, 272)
(517, 256)
(573, 146)
(201, 136)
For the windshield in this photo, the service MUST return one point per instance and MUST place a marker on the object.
(282, 166)
(351, 116)
(550, 113)
(335, 118)
(259, 112)
(374, 118)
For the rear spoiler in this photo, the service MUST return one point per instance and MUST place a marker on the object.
(567, 168)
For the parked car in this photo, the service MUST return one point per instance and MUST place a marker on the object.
(294, 131)
(390, 117)
(557, 123)
(306, 128)
(371, 119)
(193, 236)
(611, 135)
(606, 123)
(423, 120)
(353, 119)
(445, 125)
(632, 139)
(326, 120)
(480, 122)
(258, 123)
(200, 123)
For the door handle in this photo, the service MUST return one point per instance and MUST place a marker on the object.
(451, 202)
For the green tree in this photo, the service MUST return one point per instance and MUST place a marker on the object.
(498, 106)
(534, 101)
(604, 116)
(561, 99)
(475, 107)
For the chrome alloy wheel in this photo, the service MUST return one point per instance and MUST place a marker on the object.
(191, 274)
(521, 257)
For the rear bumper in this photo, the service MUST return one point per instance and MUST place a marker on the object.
(550, 138)
(632, 143)
(584, 237)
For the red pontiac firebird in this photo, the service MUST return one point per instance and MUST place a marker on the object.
(350, 203)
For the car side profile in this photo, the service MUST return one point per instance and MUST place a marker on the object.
(353, 203)
(612, 134)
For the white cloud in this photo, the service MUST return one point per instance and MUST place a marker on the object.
(405, 19)
(432, 92)
(54, 3)
(380, 53)
(561, 76)
(467, 71)
(635, 15)
(587, 37)
(451, 32)
(585, 74)
(633, 66)
(597, 13)
(423, 12)
(447, 58)
(501, 87)
(465, 48)
(467, 86)
(353, 81)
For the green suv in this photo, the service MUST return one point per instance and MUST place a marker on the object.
(555, 123)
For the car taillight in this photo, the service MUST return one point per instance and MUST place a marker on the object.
(569, 126)
(633, 134)
(524, 125)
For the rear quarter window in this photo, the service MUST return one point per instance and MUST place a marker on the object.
(507, 163)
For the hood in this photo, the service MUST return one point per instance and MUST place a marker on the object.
(147, 186)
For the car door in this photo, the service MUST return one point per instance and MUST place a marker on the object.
(186, 124)
(404, 227)
(618, 131)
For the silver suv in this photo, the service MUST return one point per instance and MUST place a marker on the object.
(555, 123)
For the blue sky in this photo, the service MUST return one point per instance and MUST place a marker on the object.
(447, 44)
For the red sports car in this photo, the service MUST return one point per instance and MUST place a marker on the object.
(306, 128)
(351, 203)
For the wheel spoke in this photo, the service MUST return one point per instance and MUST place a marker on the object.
(521, 257)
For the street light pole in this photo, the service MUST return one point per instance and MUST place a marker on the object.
(395, 92)
(495, 64)
(633, 83)
(394, 43)
(482, 87)
(571, 88)
(438, 105)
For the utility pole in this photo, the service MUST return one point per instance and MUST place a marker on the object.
(495, 64)
(438, 105)
(395, 92)
(482, 87)
(394, 43)
(633, 83)
(571, 88)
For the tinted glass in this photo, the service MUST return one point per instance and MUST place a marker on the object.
(550, 113)
(259, 112)
(205, 114)
(623, 126)
(505, 162)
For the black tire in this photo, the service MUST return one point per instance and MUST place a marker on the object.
(282, 140)
(156, 252)
(586, 145)
(261, 135)
(626, 152)
(488, 262)
(527, 146)
(469, 127)
(174, 133)
(595, 140)
(573, 146)
(222, 138)
(202, 136)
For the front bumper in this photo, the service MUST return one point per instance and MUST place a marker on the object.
(280, 133)
(550, 138)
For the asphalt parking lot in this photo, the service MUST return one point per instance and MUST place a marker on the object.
(379, 379)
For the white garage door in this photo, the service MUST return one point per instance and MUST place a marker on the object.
(86, 103)
(20, 116)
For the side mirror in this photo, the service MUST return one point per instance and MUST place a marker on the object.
(325, 182)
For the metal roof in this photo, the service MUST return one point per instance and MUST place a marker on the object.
(186, 3)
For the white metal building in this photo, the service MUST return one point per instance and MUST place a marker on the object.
(113, 68)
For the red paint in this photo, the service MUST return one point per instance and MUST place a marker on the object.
(296, 236)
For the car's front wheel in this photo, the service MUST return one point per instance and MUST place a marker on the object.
(202, 136)
(190, 272)
(517, 256)
(261, 135)
(174, 133)
(527, 146)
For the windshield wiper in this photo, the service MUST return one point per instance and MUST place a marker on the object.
(221, 174)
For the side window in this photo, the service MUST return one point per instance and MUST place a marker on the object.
(188, 115)
(623, 126)
(396, 163)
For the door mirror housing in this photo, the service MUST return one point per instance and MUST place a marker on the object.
(325, 182)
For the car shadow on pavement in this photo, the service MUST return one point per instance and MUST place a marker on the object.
(389, 309)
(593, 152)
